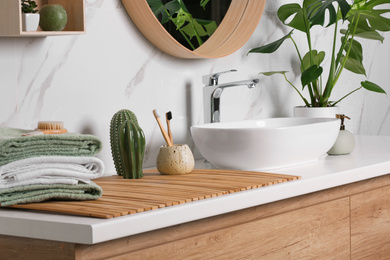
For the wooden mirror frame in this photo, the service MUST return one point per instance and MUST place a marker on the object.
(234, 31)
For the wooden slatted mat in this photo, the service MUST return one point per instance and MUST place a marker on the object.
(153, 191)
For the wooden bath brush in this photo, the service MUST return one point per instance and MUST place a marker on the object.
(48, 128)
(51, 127)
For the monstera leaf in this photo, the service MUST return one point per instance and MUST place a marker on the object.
(370, 16)
(200, 27)
(181, 18)
(319, 9)
(296, 14)
(167, 10)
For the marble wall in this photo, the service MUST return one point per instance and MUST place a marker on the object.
(83, 80)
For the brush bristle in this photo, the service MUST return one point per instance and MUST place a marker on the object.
(169, 115)
(50, 125)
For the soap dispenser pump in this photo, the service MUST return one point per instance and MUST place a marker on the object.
(345, 142)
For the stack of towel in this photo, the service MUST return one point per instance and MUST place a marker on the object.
(42, 167)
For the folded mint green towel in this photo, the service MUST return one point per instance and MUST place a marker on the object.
(14, 146)
(42, 192)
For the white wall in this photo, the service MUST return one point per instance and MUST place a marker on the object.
(84, 80)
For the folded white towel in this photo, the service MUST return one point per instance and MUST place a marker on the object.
(50, 170)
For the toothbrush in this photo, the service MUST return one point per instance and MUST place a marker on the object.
(168, 117)
(164, 133)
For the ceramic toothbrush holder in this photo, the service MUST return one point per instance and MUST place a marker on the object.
(176, 159)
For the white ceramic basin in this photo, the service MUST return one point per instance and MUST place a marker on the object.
(266, 143)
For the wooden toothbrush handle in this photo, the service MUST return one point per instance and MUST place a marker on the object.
(164, 133)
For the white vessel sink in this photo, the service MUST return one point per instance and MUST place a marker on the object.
(265, 143)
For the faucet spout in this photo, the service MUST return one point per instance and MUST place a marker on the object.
(212, 95)
(249, 83)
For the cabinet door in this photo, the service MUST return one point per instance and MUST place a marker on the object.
(370, 224)
(317, 232)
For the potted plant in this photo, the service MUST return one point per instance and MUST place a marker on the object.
(30, 18)
(360, 19)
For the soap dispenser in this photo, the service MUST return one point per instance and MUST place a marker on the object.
(345, 142)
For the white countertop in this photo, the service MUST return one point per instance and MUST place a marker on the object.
(371, 158)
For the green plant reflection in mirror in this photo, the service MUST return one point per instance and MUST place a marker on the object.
(190, 23)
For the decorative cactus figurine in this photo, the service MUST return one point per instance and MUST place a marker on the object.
(127, 144)
(132, 147)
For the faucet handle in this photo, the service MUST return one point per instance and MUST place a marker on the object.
(212, 79)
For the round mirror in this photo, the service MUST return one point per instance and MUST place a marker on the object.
(237, 26)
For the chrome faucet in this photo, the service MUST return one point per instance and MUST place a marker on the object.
(212, 94)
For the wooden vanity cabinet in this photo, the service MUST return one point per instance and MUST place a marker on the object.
(370, 224)
(346, 222)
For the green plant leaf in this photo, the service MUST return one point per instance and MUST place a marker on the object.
(209, 26)
(181, 18)
(372, 87)
(310, 75)
(370, 16)
(203, 3)
(354, 61)
(296, 15)
(318, 57)
(356, 51)
(374, 20)
(193, 29)
(182, 5)
(319, 8)
(270, 73)
(292, 10)
(308, 4)
(353, 65)
(271, 47)
(167, 10)
(28, 6)
(155, 5)
(199, 27)
(366, 34)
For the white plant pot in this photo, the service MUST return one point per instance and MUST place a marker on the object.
(30, 22)
(330, 112)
